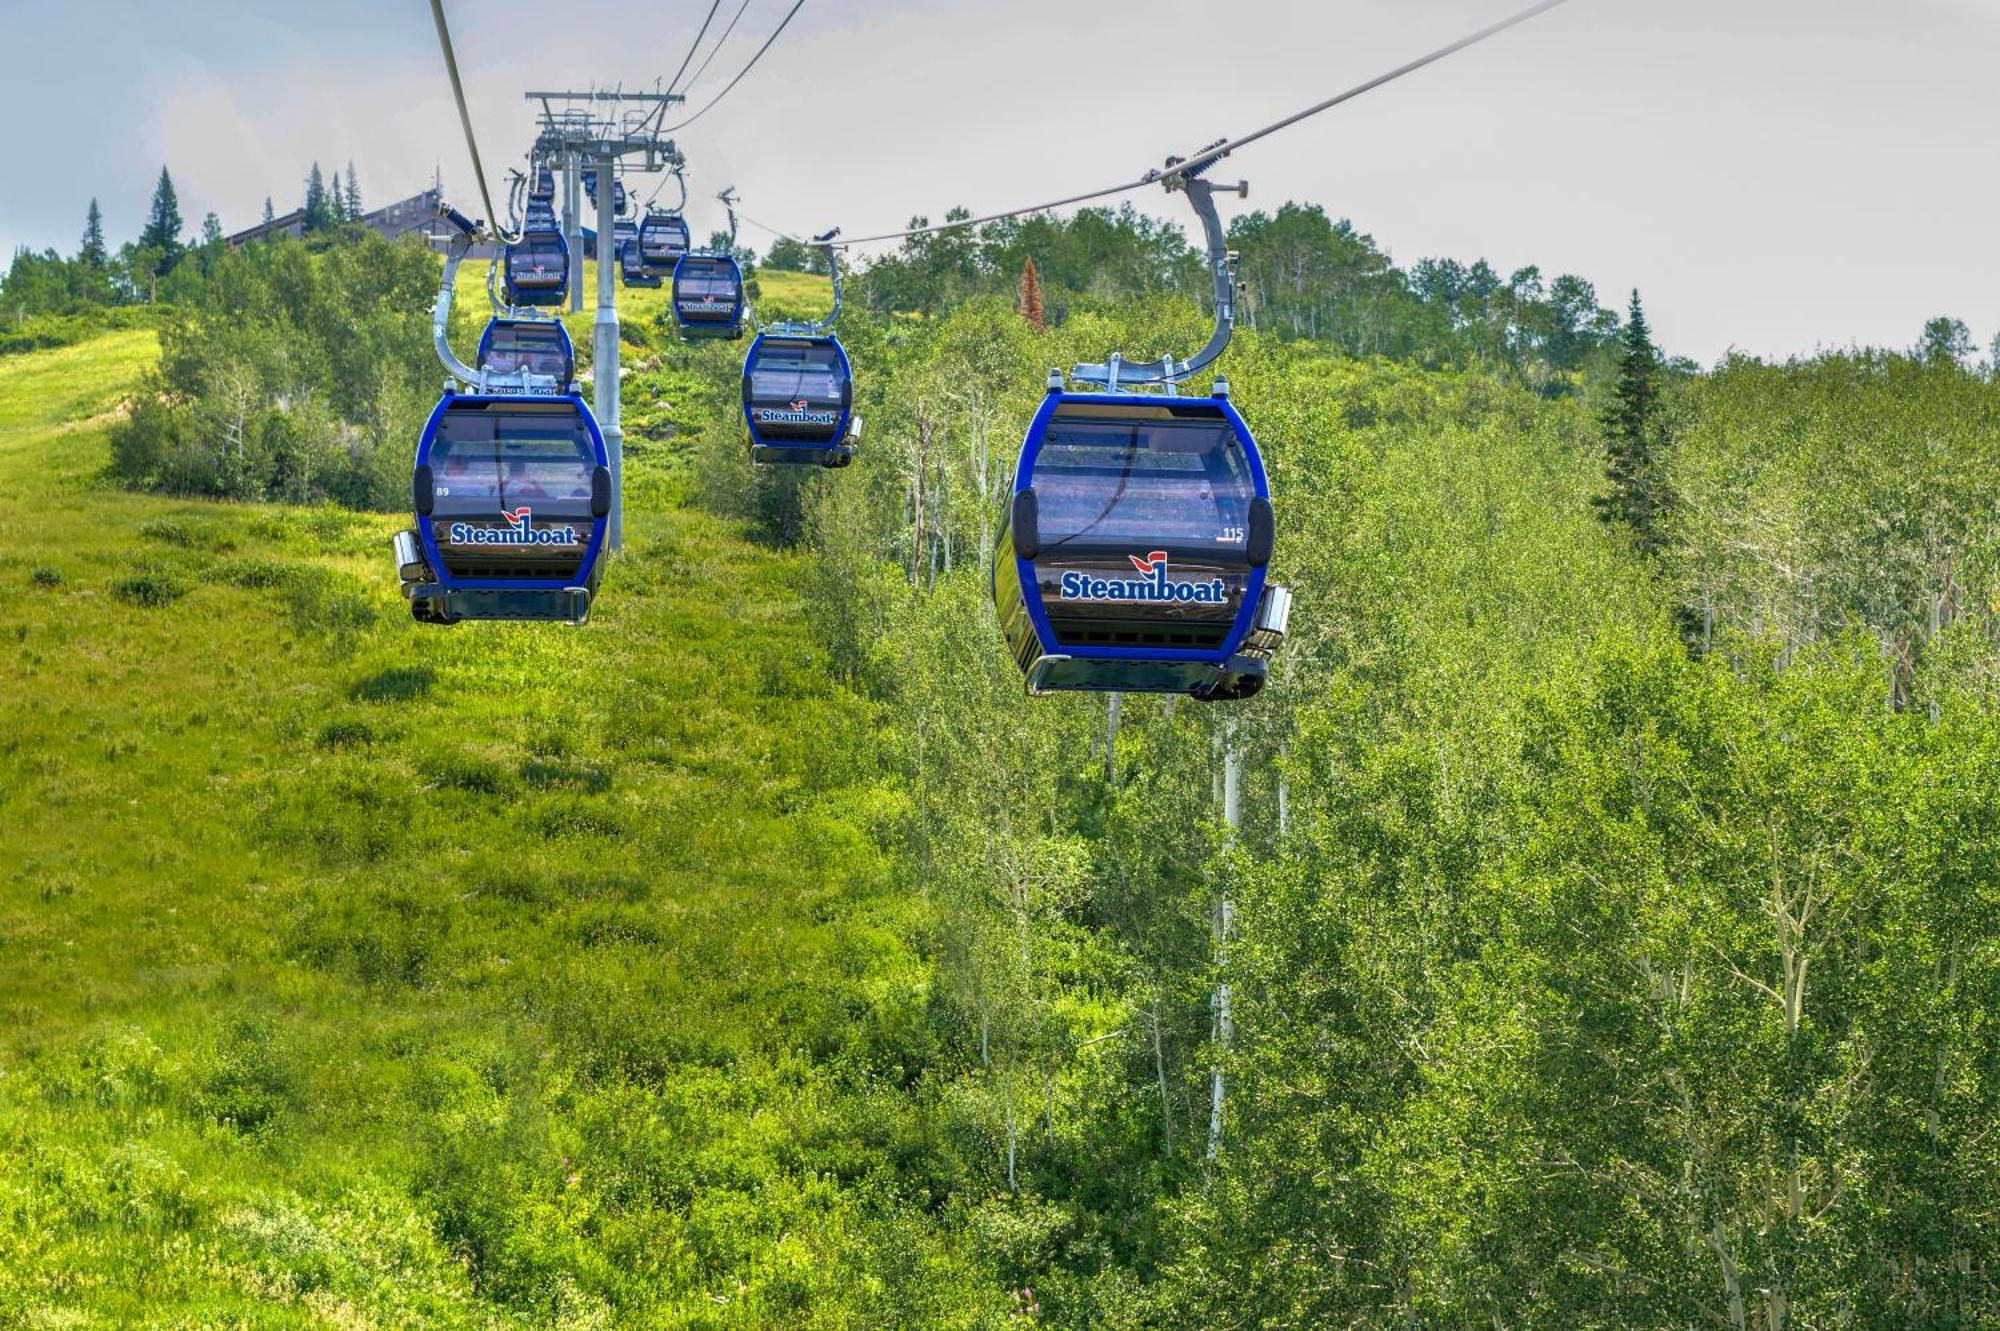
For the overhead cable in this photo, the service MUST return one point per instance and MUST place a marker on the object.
(1194, 162)
(720, 42)
(745, 70)
(693, 46)
(465, 120)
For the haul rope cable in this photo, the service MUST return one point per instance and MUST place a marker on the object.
(745, 70)
(1201, 159)
(766, 226)
(693, 46)
(1196, 161)
(720, 42)
(1192, 163)
(465, 119)
(465, 115)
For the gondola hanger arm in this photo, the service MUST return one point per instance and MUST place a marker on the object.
(1115, 373)
(465, 232)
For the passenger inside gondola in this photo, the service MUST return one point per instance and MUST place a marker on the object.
(464, 473)
(522, 483)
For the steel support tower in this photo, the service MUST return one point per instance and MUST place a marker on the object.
(605, 133)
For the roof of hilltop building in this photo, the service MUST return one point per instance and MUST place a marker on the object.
(292, 223)
(414, 215)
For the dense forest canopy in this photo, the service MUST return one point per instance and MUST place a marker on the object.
(1612, 919)
(1306, 276)
(1612, 931)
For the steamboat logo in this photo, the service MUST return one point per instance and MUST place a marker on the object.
(520, 530)
(795, 413)
(1155, 586)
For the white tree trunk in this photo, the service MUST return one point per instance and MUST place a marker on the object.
(1225, 1025)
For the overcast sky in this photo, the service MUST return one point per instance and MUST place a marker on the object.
(1774, 175)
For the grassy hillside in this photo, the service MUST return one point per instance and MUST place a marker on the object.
(359, 974)
(1612, 936)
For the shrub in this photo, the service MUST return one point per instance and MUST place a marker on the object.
(186, 533)
(394, 684)
(248, 1083)
(256, 574)
(345, 734)
(333, 604)
(151, 588)
(300, 377)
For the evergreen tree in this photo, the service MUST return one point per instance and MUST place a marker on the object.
(211, 230)
(1028, 295)
(1946, 341)
(92, 254)
(353, 199)
(1637, 497)
(320, 212)
(270, 213)
(162, 233)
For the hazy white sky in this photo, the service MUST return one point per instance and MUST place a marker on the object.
(1774, 175)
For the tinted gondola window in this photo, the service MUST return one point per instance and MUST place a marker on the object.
(504, 460)
(1121, 482)
(662, 240)
(788, 371)
(538, 349)
(700, 281)
(707, 290)
(721, 286)
(538, 261)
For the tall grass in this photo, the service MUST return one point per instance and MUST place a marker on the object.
(354, 972)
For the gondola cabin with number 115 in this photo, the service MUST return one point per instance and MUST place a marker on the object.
(1134, 552)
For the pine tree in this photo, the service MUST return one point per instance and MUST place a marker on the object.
(270, 213)
(162, 233)
(353, 194)
(319, 208)
(211, 230)
(92, 253)
(1638, 497)
(1946, 341)
(1028, 295)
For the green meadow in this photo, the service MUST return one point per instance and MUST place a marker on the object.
(358, 974)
